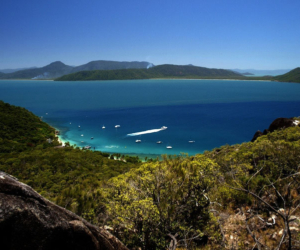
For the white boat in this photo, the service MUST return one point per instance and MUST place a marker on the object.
(137, 141)
(78, 126)
(103, 127)
(117, 126)
(169, 147)
(191, 141)
(159, 142)
(163, 127)
(87, 147)
(82, 135)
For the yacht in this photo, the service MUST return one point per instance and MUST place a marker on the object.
(163, 127)
(137, 141)
(159, 142)
(117, 126)
(169, 147)
(82, 135)
(191, 141)
(103, 127)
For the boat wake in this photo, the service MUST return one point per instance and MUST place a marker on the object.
(148, 131)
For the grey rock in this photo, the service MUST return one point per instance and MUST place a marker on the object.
(29, 221)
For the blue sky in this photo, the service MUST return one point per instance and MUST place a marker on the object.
(262, 34)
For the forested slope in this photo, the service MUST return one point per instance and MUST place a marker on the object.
(160, 71)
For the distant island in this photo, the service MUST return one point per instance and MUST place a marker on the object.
(160, 71)
(169, 71)
(114, 70)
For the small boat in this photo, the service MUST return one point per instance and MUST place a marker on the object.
(169, 147)
(159, 142)
(78, 126)
(92, 138)
(117, 126)
(103, 127)
(137, 141)
(82, 135)
(87, 147)
(70, 122)
(191, 141)
(163, 127)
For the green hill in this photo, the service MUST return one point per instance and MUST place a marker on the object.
(161, 71)
(21, 130)
(292, 76)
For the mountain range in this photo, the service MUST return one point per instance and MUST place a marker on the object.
(57, 69)
(115, 70)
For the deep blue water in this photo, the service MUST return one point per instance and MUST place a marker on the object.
(210, 112)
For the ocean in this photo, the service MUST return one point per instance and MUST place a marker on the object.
(199, 114)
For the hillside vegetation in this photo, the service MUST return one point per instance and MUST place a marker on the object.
(292, 76)
(161, 71)
(234, 197)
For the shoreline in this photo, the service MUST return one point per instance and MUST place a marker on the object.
(141, 157)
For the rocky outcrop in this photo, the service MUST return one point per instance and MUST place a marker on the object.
(279, 123)
(29, 221)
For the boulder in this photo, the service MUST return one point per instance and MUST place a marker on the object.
(279, 123)
(29, 221)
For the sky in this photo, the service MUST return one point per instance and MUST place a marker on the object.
(257, 34)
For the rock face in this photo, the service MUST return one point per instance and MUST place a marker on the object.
(279, 123)
(29, 221)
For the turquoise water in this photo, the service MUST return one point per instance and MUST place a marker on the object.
(209, 112)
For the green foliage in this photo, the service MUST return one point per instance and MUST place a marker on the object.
(21, 130)
(148, 204)
(271, 158)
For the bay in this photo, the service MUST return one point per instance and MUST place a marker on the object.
(210, 113)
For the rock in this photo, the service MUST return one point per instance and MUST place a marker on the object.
(256, 135)
(279, 123)
(29, 221)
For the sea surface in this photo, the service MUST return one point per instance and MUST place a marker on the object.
(199, 114)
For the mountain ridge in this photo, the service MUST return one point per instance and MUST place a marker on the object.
(58, 69)
(160, 71)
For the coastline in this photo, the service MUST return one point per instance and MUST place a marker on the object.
(142, 157)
